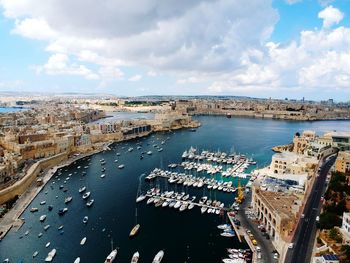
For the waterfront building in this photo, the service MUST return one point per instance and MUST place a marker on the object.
(278, 212)
(342, 163)
(345, 228)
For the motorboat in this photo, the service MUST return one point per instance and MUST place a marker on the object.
(149, 152)
(85, 219)
(112, 256)
(86, 195)
(158, 257)
(42, 218)
(34, 209)
(121, 166)
(46, 227)
(35, 254)
(68, 199)
(224, 226)
(42, 202)
(90, 202)
(82, 242)
(47, 244)
(77, 260)
(135, 257)
(102, 175)
(50, 255)
(140, 198)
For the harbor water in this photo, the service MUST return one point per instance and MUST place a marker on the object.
(187, 236)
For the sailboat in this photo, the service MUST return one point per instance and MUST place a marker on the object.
(136, 228)
(140, 197)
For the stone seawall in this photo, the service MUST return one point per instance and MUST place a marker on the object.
(22, 185)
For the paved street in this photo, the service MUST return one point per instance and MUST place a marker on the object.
(306, 231)
(265, 245)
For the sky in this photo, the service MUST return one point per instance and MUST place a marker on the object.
(259, 48)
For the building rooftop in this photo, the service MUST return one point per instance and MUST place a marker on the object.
(282, 203)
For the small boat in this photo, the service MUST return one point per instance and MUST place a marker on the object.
(60, 227)
(158, 258)
(85, 219)
(77, 260)
(86, 195)
(140, 198)
(90, 202)
(68, 199)
(40, 234)
(224, 226)
(42, 202)
(103, 176)
(50, 256)
(149, 152)
(34, 209)
(204, 209)
(6, 260)
(150, 200)
(35, 254)
(121, 166)
(134, 230)
(46, 227)
(26, 233)
(82, 242)
(228, 234)
(135, 257)
(82, 189)
(42, 218)
(112, 256)
(62, 211)
(47, 244)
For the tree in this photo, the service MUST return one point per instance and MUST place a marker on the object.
(333, 233)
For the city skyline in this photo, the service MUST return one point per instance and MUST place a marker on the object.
(275, 49)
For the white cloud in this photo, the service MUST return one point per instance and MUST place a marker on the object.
(135, 78)
(330, 16)
(58, 64)
(177, 36)
(152, 73)
(35, 28)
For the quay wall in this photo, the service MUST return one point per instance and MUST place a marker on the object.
(22, 185)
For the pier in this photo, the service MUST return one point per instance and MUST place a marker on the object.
(194, 181)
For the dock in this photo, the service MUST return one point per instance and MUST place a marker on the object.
(241, 233)
(209, 183)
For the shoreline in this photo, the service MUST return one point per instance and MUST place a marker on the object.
(12, 218)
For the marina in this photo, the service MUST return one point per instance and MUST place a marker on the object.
(112, 214)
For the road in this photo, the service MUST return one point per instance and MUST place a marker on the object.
(306, 231)
(265, 245)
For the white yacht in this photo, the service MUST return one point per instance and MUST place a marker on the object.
(135, 257)
(102, 175)
(140, 198)
(42, 218)
(149, 152)
(158, 258)
(35, 254)
(82, 242)
(77, 260)
(47, 244)
(85, 219)
(86, 195)
(82, 189)
(121, 166)
(111, 257)
(51, 255)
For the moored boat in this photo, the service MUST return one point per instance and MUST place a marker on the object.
(134, 230)
(135, 257)
(158, 257)
(112, 256)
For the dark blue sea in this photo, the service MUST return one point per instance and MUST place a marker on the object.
(188, 236)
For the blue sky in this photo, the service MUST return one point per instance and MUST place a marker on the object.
(262, 48)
